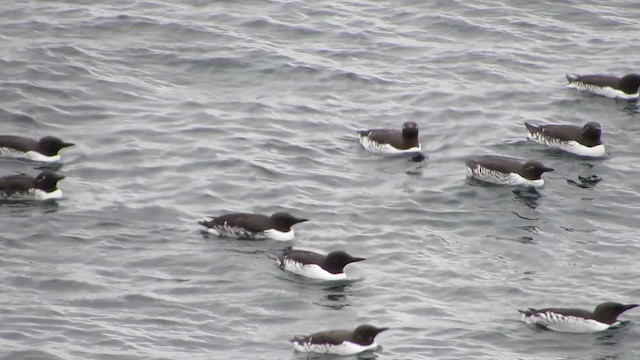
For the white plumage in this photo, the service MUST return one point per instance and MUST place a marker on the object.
(31, 155)
(231, 231)
(36, 156)
(563, 323)
(606, 91)
(35, 194)
(571, 146)
(312, 271)
(373, 146)
(496, 177)
(345, 348)
(238, 232)
(42, 195)
(274, 234)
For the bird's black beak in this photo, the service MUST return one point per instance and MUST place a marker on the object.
(64, 145)
(630, 306)
(356, 259)
(381, 330)
(59, 177)
(547, 169)
(299, 220)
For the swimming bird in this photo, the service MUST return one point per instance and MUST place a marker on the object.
(503, 171)
(625, 87)
(391, 141)
(603, 317)
(24, 187)
(316, 266)
(583, 141)
(253, 226)
(339, 342)
(44, 150)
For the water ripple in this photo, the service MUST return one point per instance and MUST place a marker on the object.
(247, 106)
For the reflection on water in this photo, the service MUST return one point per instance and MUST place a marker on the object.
(53, 166)
(585, 182)
(337, 296)
(527, 196)
(18, 207)
(418, 157)
(628, 107)
(614, 335)
(313, 356)
(222, 108)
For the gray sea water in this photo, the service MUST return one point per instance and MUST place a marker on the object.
(192, 108)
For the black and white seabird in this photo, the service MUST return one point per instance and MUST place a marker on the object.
(253, 226)
(503, 171)
(625, 87)
(316, 266)
(339, 342)
(583, 141)
(391, 141)
(45, 150)
(24, 187)
(568, 320)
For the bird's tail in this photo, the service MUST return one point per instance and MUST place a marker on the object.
(531, 127)
(297, 339)
(205, 222)
(572, 78)
(527, 312)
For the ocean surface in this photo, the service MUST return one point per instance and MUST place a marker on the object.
(186, 109)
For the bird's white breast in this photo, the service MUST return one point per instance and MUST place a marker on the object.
(242, 233)
(36, 156)
(35, 194)
(571, 146)
(562, 323)
(500, 178)
(312, 271)
(345, 348)
(606, 91)
(279, 235)
(377, 147)
(31, 155)
(43, 195)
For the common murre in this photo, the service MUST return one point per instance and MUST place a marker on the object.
(391, 141)
(24, 187)
(44, 150)
(503, 171)
(339, 342)
(579, 140)
(316, 266)
(571, 320)
(253, 226)
(625, 88)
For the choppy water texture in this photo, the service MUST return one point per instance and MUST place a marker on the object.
(196, 108)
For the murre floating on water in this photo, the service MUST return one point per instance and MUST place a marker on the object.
(44, 150)
(503, 171)
(339, 342)
(253, 226)
(583, 141)
(391, 141)
(24, 187)
(569, 320)
(625, 88)
(316, 266)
